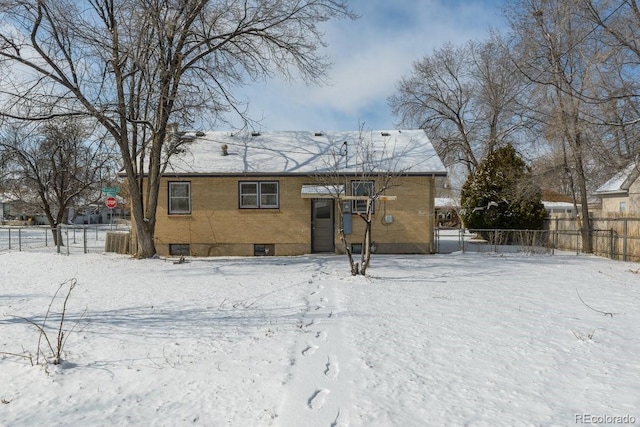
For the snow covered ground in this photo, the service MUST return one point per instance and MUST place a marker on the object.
(476, 339)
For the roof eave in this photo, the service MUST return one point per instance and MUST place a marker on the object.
(438, 174)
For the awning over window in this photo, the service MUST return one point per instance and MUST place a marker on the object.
(321, 191)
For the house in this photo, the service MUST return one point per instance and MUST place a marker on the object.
(3, 210)
(290, 193)
(621, 194)
(446, 211)
(559, 207)
(557, 203)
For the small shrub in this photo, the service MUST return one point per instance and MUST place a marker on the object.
(54, 349)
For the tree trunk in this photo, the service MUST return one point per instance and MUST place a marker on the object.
(145, 240)
(587, 244)
(354, 266)
(366, 246)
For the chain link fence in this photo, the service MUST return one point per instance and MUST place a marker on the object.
(65, 239)
(498, 241)
(615, 238)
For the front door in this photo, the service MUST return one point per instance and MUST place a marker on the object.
(322, 225)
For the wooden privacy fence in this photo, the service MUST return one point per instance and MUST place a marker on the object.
(616, 237)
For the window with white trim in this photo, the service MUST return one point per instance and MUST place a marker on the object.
(179, 198)
(259, 195)
(362, 188)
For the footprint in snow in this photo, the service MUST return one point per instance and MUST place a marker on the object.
(309, 350)
(340, 421)
(331, 368)
(317, 399)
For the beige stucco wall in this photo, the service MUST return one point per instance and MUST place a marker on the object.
(633, 206)
(611, 204)
(217, 226)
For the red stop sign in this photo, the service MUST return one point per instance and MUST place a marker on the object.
(111, 202)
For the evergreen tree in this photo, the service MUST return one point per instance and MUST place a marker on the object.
(501, 195)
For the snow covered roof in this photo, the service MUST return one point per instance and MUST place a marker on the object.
(556, 205)
(446, 202)
(303, 153)
(621, 181)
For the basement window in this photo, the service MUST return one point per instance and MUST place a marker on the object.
(179, 249)
(264, 250)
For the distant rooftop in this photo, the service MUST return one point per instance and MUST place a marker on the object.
(621, 181)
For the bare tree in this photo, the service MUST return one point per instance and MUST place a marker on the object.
(359, 189)
(616, 24)
(466, 97)
(138, 66)
(54, 166)
(555, 51)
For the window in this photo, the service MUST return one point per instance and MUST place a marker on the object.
(264, 250)
(259, 195)
(362, 188)
(179, 198)
(179, 249)
(623, 207)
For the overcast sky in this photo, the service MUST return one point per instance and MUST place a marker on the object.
(370, 55)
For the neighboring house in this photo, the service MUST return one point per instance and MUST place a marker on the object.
(557, 203)
(559, 207)
(621, 194)
(7, 208)
(446, 210)
(277, 193)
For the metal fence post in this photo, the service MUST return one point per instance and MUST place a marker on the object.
(20, 239)
(84, 238)
(9, 238)
(59, 237)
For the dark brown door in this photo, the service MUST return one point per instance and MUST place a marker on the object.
(322, 225)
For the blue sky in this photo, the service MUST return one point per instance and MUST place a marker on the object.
(369, 56)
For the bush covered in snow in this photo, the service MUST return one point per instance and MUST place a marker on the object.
(500, 194)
